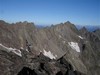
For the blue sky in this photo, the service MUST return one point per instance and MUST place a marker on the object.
(46, 12)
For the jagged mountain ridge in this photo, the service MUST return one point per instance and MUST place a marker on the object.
(56, 41)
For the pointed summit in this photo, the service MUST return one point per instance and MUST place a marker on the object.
(68, 22)
(84, 29)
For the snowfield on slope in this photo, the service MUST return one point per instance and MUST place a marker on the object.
(74, 46)
(49, 54)
(80, 37)
(14, 50)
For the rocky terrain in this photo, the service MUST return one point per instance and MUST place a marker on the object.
(61, 49)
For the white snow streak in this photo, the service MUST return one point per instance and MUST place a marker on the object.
(27, 50)
(80, 37)
(18, 52)
(14, 50)
(49, 54)
(74, 46)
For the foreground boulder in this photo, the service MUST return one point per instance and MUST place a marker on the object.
(46, 66)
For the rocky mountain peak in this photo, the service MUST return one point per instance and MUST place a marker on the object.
(84, 29)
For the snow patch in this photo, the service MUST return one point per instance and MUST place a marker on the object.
(80, 37)
(27, 50)
(49, 54)
(74, 46)
(18, 52)
(14, 50)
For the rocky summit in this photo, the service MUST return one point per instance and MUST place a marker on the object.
(60, 49)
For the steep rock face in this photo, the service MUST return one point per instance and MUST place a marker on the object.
(91, 52)
(97, 32)
(22, 41)
(14, 35)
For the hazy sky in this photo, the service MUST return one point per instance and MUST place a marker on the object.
(44, 12)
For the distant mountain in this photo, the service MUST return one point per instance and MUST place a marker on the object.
(89, 27)
(59, 49)
(40, 26)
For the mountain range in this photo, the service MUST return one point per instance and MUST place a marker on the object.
(60, 49)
